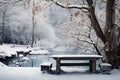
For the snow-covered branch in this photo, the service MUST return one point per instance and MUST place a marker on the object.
(9, 1)
(82, 7)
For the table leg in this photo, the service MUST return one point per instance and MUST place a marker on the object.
(57, 66)
(92, 66)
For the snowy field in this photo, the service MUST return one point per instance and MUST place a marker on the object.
(34, 73)
(70, 73)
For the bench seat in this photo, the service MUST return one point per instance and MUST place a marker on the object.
(104, 67)
(46, 66)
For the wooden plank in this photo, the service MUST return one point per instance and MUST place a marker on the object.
(74, 64)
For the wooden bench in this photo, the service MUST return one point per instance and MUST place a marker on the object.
(46, 66)
(105, 67)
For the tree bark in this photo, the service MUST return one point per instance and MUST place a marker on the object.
(111, 45)
(94, 21)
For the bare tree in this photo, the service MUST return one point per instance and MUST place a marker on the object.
(35, 10)
(3, 24)
(91, 14)
(33, 23)
(110, 34)
(109, 37)
(4, 4)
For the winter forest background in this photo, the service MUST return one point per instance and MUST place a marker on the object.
(67, 23)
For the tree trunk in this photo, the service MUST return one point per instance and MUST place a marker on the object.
(109, 38)
(111, 45)
(94, 21)
(2, 29)
(118, 45)
(33, 24)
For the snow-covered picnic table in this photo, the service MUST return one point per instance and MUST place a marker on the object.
(91, 58)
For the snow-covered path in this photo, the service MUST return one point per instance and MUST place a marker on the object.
(25, 73)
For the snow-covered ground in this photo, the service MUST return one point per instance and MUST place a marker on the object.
(71, 73)
(40, 52)
(6, 50)
(9, 50)
(2, 65)
(35, 73)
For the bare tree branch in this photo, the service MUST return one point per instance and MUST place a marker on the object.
(70, 6)
(86, 41)
(9, 2)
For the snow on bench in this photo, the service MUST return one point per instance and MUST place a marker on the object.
(46, 66)
(104, 67)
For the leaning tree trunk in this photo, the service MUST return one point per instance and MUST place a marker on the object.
(111, 45)
(109, 38)
(94, 21)
(95, 24)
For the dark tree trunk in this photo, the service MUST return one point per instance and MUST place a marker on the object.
(118, 45)
(94, 21)
(109, 38)
(110, 35)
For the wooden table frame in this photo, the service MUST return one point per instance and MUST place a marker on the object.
(92, 60)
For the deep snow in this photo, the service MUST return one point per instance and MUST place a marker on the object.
(70, 73)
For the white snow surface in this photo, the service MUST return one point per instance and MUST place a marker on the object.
(2, 65)
(46, 63)
(34, 73)
(105, 64)
(77, 56)
(7, 50)
(40, 52)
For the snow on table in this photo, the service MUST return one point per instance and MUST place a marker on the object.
(61, 56)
